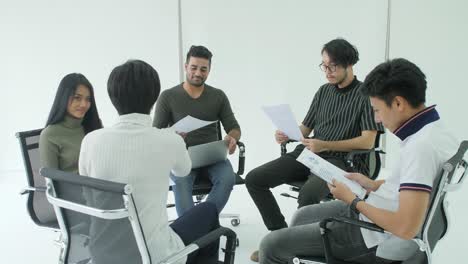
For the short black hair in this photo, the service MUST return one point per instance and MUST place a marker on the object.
(133, 87)
(397, 77)
(67, 89)
(341, 52)
(199, 52)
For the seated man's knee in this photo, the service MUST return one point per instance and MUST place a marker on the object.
(306, 198)
(226, 182)
(231, 180)
(252, 177)
(270, 244)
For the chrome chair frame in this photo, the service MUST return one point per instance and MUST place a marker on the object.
(445, 183)
(129, 212)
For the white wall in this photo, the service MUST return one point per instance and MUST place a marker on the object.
(268, 52)
(433, 35)
(40, 43)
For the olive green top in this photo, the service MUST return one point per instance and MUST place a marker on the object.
(59, 145)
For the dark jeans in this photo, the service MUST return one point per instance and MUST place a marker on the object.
(282, 170)
(195, 223)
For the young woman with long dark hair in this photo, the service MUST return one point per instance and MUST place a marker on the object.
(73, 115)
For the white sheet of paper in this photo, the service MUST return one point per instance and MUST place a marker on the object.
(327, 171)
(283, 118)
(190, 123)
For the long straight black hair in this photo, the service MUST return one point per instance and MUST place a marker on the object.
(67, 89)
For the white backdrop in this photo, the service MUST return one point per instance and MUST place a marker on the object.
(41, 43)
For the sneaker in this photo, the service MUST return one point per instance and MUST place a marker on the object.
(254, 256)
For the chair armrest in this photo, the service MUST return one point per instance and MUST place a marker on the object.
(241, 167)
(84, 209)
(350, 156)
(283, 146)
(30, 189)
(350, 221)
(204, 241)
(355, 152)
(213, 235)
(330, 257)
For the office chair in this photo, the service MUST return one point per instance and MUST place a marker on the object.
(434, 227)
(39, 209)
(372, 155)
(202, 185)
(113, 233)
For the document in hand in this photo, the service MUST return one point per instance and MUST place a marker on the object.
(190, 123)
(283, 118)
(327, 171)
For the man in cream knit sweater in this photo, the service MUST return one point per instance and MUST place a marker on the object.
(134, 152)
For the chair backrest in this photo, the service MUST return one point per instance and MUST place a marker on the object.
(98, 219)
(371, 158)
(452, 175)
(39, 209)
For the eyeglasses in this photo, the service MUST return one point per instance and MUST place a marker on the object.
(331, 67)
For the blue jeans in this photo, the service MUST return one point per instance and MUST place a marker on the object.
(221, 176)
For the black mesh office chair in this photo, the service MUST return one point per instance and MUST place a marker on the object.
(202, 185)
(371, 155)
(435, 225)
(39, 209)
(113, 232)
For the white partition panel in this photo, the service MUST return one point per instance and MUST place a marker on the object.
(267, 52)
(433, 35)
(41, 41)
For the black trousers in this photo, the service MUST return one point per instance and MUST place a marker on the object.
(282, 170)
(195, 223)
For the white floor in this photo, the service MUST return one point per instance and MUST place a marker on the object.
(22, 242)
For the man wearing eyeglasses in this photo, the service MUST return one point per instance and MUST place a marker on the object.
(341, 119)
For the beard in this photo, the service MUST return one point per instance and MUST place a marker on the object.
(196, 82)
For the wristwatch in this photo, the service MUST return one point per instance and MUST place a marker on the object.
(354, 204)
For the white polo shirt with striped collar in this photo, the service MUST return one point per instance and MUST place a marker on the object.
(426, 144)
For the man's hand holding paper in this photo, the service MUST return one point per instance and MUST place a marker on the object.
(281, 137)
(341, 192)
(283, 118)
(329, 172)
(314, 145)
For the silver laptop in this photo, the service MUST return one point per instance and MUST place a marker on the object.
(207, 154)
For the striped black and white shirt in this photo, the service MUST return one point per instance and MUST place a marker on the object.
(340, 114)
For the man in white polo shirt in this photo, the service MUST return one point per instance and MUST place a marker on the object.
(397, 91)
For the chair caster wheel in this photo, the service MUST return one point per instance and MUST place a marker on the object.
(235, 222)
